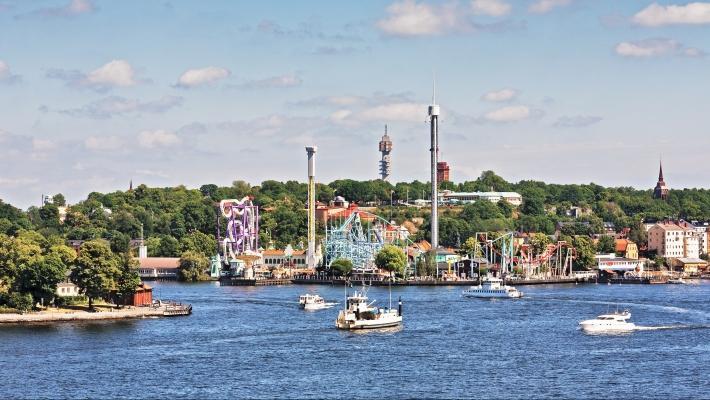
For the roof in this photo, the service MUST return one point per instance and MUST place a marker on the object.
(481, 194)
(281, 252)
(668, 226)
(159, 262)
(621, 244)
(692, 261)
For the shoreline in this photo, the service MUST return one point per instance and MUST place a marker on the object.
(114, 314)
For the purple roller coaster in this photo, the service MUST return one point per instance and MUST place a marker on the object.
(242, 228)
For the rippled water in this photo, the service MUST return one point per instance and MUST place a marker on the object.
(256, 342)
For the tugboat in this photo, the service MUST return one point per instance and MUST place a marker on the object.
(312, 302)
(609, 323)
(358, 314)
(492, 287)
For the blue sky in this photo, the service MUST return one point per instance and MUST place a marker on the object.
(96, 93)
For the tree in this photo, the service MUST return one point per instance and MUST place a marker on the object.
(95, 270)
(40, 279)
(168, 247)
(341, 266)
(59, 200)
(392, 259)
(20, 301)
(128, 278)
(606, 245)
(538, 242)
(585, 252)
(426, 265)
(200, 243)
(192, 267)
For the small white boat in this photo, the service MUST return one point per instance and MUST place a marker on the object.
(609, 323)
(678, 281)
(358, 314)
(312, 302)
(492, 287)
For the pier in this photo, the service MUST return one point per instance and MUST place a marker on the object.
(254, 282)
(432, 282)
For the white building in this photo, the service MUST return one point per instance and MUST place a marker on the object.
(609, 262)
(448, 197)
(671, 240)
(701, 231)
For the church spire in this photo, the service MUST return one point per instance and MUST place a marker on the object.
(661, 190)
(660, 171)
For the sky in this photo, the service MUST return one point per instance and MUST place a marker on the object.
(94, 94)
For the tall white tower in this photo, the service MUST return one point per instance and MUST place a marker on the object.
(386, 162)
(434, 121)
(311, 251)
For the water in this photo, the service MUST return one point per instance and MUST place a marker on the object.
(249, 342)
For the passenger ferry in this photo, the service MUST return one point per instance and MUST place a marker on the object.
(491, 288)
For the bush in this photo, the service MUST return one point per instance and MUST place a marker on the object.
(21, 301)
(70, 300)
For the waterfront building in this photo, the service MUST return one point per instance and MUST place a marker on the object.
(689, 265)
(612, 264)
(701, 230)
(626, 249)
(158, 267)
(661, 190)
(670, 240)
(451, 197)
(67, 289)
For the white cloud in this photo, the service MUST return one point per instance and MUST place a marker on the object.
(159, 138)
(411, 112)
(545, 6)
(655, 48)
(409, 18)
(114, 73)
(494, 8)
(42, 144)
(501, 95)
(6, 74)
(577, 121)
(202, 76)
(102, 143)
(509, 114)
(17, 182)
(115, 105)
(282, 81)
(655, 15)
(340, 115)
(71, 9)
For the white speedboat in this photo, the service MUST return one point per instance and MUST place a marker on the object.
(678, 281)
(609, 323)
(492, 287)
(312, 302)
(358, 314)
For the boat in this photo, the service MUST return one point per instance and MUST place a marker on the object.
(312, 302)
(609, 323)
(492, 287)
(677, 281)
(359, 314)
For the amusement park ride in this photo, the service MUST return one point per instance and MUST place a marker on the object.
(351, 240)
(555, 261)
(240, 247)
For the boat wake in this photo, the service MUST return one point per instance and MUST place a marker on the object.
(666, 327)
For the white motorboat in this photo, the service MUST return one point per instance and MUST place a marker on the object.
(312, 302)
(609, 323)
(358, 314)
(678, 281)
(492, 287)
